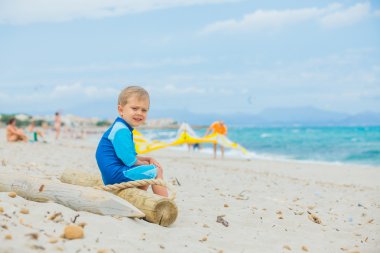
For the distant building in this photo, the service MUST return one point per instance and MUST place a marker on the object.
(159, 123)
(22, 117)
(75, 121)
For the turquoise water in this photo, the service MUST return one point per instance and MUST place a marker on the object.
(358, 145)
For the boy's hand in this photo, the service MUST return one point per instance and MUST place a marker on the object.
(154, 162)
(140, 162)
(148, 160)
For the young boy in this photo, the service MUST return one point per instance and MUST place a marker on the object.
(116, 155)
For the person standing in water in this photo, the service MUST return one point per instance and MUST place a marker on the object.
(220, 128)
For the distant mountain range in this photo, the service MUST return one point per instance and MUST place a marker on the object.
(303, 116)
(300, 116)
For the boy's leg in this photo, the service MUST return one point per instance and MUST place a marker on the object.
(147, 172)
(141, 172)
(214, 150)
(144, 187)
(158, 189)
(137, 173)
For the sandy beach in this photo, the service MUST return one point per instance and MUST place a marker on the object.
(263, 206)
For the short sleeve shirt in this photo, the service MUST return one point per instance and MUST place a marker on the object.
(219, 128)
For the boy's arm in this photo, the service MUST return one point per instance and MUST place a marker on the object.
(149, 160)
(141, 162)
(124, 147)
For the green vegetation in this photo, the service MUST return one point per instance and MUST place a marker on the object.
(103, 123)
(4, 119)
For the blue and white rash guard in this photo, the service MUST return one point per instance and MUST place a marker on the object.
(116, 152)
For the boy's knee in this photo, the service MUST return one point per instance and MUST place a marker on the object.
(160, 171)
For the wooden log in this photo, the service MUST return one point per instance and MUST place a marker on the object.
(81, 178)
(157, 209)
(73, 196)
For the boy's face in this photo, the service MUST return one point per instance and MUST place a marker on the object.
(135, 111)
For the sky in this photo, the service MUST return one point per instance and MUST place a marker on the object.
(201, 56)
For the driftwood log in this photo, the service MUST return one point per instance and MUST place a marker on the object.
(157, 209)
(76, 197)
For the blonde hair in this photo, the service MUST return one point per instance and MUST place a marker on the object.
(130, 91)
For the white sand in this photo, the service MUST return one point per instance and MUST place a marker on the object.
(264, 202)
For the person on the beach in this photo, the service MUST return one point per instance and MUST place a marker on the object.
(116, 155)
(13, 133)
(57, 125)
(220, 128)
(34, 133)
(197, 146)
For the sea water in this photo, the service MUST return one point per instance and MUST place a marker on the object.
(357, 145)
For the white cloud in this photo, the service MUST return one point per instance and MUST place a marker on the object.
(147, 64)
(316, 81)
(61, 96)
(333, 15)
(30, 11)
(77, 90)
(347, 16)
(171, 89)
(185, 90)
